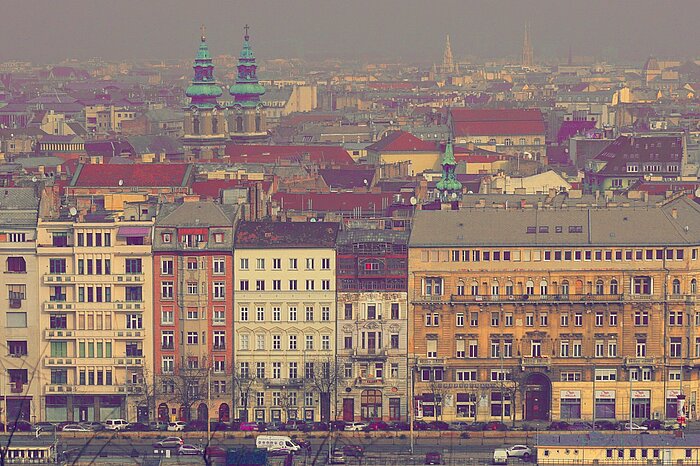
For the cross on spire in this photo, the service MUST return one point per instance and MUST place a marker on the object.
(246, 27)
(203, 31)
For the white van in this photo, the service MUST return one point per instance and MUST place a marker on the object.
(500, 456)
(116, 424)
(277, 443)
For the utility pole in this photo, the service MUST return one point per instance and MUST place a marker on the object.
(208, 402)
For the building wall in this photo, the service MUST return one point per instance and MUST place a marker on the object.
(271, 386)
(594, 314)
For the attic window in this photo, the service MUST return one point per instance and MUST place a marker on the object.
(218, 237)
(558, 229)
(544, 229)
(531, 230)
(166, 237)
(576, 229)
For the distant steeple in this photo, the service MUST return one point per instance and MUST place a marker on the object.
(247, 90)
(448, 65)
(528, 57)
(448, 187)
(204, 90)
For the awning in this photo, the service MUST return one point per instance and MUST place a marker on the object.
(134, 231)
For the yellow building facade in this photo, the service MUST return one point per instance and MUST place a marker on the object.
(546, 315)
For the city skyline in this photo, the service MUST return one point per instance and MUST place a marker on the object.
(390, 30)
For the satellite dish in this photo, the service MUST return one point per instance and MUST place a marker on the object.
(454, 195)
(365, 182)
(414, 201)
(33, 179)
(73, 211)
(121, 182)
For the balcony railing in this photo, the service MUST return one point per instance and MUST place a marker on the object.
(293, 382)
(538, 298)
(431, 361)
(369, 353)
(641, 362)
(535, 361)
(93, 278)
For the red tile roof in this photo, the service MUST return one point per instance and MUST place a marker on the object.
(259, 153)
(211, 189)
(494, 122)
(402, 141)
(135, 175)
(334, 202)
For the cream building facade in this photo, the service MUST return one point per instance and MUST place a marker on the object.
(285, 319)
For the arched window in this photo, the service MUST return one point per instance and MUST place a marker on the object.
(613, 286)
(239, 124)
(693, 286)
(371, 405)
(521, 141)
(507, 142)
(543, 287)
(494, 288)
(599, 287)
(509, 288)
(460, 288)
(565, 287)
(475, 288)
(676, 286)
(530, 287)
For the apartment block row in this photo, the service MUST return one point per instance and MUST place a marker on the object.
(182, 309)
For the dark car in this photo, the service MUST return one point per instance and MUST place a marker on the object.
(605, 425)
(399, 426)
(559, 425)
(338, 425)
(45, 426)
(433, 457)
(495, 425)
(218, 426)
(653, 424)
(319, 426)
(438, 425)
(275, 426)
(580, 425)
(214, 452)
(137, 427)
(235, 424)
(377, 425)
(420, 425)
(20, 426)
(196, 426)
(356, 451)
(476, 426)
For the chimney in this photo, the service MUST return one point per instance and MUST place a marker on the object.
(674, 213)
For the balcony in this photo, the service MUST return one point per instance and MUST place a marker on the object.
(221, 347)
(62, 334)
(59, 389)
(84, 306)
(369, 381)
(369, 353)
(52, 279)
(431, 361)
(50, 361)
(549, 298)
(284, 382)
(535, 362)
(641, 362)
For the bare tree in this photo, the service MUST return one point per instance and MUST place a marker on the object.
(438, 392)
(144, 392)
(187, 386)
(243, 382)
(514, 388)
(326, 376)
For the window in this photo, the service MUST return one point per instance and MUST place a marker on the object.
(432, 286)
(292, 264)
(508, 319)
(57, 266)
(276, 264)
(244, 342)
(219, 290)
(244, 313)
(578, 319)
(133, 321)
(474, 319)
(544, 319)
(473, 349)
(641, 347)
(495, 319)
(166, 267)
(460, 319)
(641, 318)
(310, 285)
(292, 285)
(16, 265)
(167, 316)
(641, 285)
(292, 342)
(219, 266)
(325, 313)
(192, 288)
(599, 318)
(192, 338)
(675, 347)
(529, 319)
(309, 314)
(259, 285)
(612, 319)
(166, 290)
(325, 285)
(564, 320)
(260, 264)
(309, 264)
(606, 375)
(219, 316)
(243, 285)
(243, 263)
(292, 314)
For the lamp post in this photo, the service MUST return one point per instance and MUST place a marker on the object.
(208, 403)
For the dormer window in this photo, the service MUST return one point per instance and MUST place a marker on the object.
(167, 237)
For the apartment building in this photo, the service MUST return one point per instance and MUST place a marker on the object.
(94, 292)
(21, 385)
(543, 314)
(372, 277)
(284, 317)
(193, 320)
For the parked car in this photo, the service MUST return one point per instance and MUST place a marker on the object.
(580, 425)
(459, 425)
(116, 424)
(19, 426)
(356, 426)
(336, 457)
(420, 425)
(218, 426)
(158, 425)
(303, 443)
(338, 425)
(235, 424)
(189, 450)
(399, 426)
(75, 428)
(319, 426)
(519, 451)
(605, 425)
(500, 456)
(433, 457)
(176, 426)
(495, 425)
(169, 442)
(249, 426)
(138, 427)
(294, 424)
(653, 424)
(632, 426)
(196, 426)
(356, 451)
(476, 426)
(378, 425)
(559, 425)
(45, 427)
(438, 425)
(214, 452)
(275, 426)
(94, 426)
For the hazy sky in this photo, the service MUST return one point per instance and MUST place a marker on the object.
(408, 30)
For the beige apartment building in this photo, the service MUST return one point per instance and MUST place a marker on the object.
(20, 385)
(284, 316)
(566, 314)
(95, 301)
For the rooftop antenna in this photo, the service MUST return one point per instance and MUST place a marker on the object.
(121, 182)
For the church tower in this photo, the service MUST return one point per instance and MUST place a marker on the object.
(449, 188)
(247, 121)
(528, 55)
(205, 124)
(448, 65)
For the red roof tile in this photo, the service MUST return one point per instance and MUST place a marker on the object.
(402, 141)
(136, 175)
(494, 122)
(211, 189)
(254, 153)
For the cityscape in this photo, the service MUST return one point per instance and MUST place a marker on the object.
(301, 250)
